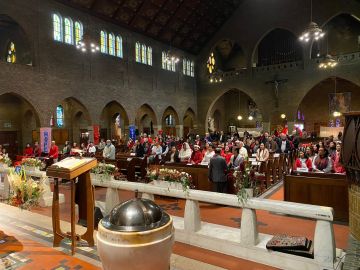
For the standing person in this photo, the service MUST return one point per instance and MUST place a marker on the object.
(109, 150)
(139, 149)
(283, 144)
(217, 172)
(338, 167)
(54, 152)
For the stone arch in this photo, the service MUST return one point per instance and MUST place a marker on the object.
(19, 122)
(234, 105)
(11, 31)
(171, 129)
(146, 120)
(114, 121)
(76, 122)
(317, 113)
(342, 32)
(189, 121)
(229, 55)
(287, 54)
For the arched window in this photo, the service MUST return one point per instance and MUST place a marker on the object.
(192, 72)
(11, 53)
(57, 25)
(78, 32)
(59, 116)
(149, 56)
(163, 60)
(119, 47)
(103, 42)
(68, 31)
(188, 67)
(111, 44)
(169, 120)
(184, 66)
(137, 52)
(143, 53)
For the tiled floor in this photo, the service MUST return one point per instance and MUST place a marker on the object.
(268, 223)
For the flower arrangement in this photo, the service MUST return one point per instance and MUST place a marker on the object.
(5, 160)
(25, 191)
(171, 175)
(32, 162)
(105, 170)
(244, 179)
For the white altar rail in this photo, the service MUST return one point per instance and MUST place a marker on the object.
(46, 196)
(246, 242)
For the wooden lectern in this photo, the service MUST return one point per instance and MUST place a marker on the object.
(73, 168)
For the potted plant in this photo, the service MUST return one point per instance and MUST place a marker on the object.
(5, 161)
(170, 178)
(25, 192)
(245, 182)
(103, 171)
(32, 164)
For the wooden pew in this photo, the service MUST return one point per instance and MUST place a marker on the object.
(319, 189)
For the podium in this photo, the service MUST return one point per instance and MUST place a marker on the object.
(82, 193)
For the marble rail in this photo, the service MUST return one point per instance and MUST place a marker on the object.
(246, 242)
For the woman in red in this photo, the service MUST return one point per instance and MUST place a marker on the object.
(303, 161)
(226, 153)
(196, 156)
(28, 152)
(338, 167)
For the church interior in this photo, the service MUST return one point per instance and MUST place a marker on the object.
(180, 134)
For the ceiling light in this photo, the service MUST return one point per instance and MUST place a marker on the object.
(239, 117)
(251, 117)
(283, 116)
(328, 62)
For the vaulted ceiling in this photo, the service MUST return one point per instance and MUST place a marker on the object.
(185, 24)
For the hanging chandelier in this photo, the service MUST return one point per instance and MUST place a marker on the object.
(328, 62)
(313, 32)
(87, 44)
(216, 77)
(171, 57)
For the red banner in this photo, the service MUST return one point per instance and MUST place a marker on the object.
(96, 129)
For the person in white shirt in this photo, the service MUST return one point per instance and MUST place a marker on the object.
(242, 150)
(156, 150)
(185, 152)
(208, 154)
(91, 149)
(262, 154)
(109, 150)
(236, 160)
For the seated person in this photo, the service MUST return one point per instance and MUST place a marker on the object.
(91, 149)
(262, 154)
(185, 152)
(236, 160)
(139, 149)
(322, 163)
(338, 167)
(172, 156)
(303, 161)
(28, 151)
(196, 156)
(37, 150)
(156, 151)
(208, 154)
(226, 153)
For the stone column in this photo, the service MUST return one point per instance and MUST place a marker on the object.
(180, 130)
(91, 133)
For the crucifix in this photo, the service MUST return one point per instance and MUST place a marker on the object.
(277, 82)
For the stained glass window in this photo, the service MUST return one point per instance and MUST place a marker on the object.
(57, 24)
(188, 67)
(137, 52)
(169, 120)
(184, 66)
(149, 56)
(59, 116)
(111, 44)
(192, 72)
(103, 42)
(119, 47)
(211, 63)
(68, 31)
(143, 53)
(163, 60)
(78, 32)
(11, 53)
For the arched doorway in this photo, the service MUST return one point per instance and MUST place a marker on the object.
(14, 43)
(317, 106)
(19, 123)
(224, 112)
(146, 120)
(189, 122)
(277, 47)
(71, 122)
(170, 120)
(114, 122)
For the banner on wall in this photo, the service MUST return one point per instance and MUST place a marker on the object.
(96, 129)
(132, 133)
(45, 139)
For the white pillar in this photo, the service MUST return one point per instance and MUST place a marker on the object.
(249, 232)
(324, 243)
(192, 220)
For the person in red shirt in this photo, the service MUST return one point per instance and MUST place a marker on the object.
(338, 167)
(28, 152)
(196, 156)
(54, 152)
(303, 161)
(226, 153)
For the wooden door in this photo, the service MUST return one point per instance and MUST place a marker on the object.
(8, 139)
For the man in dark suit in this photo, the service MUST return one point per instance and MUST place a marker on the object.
(139, 149)
(283, 144)
(217, 172)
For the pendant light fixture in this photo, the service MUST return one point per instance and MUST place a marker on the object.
(336, 113)
(313, 31)
(239, 117)
(328, 61)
